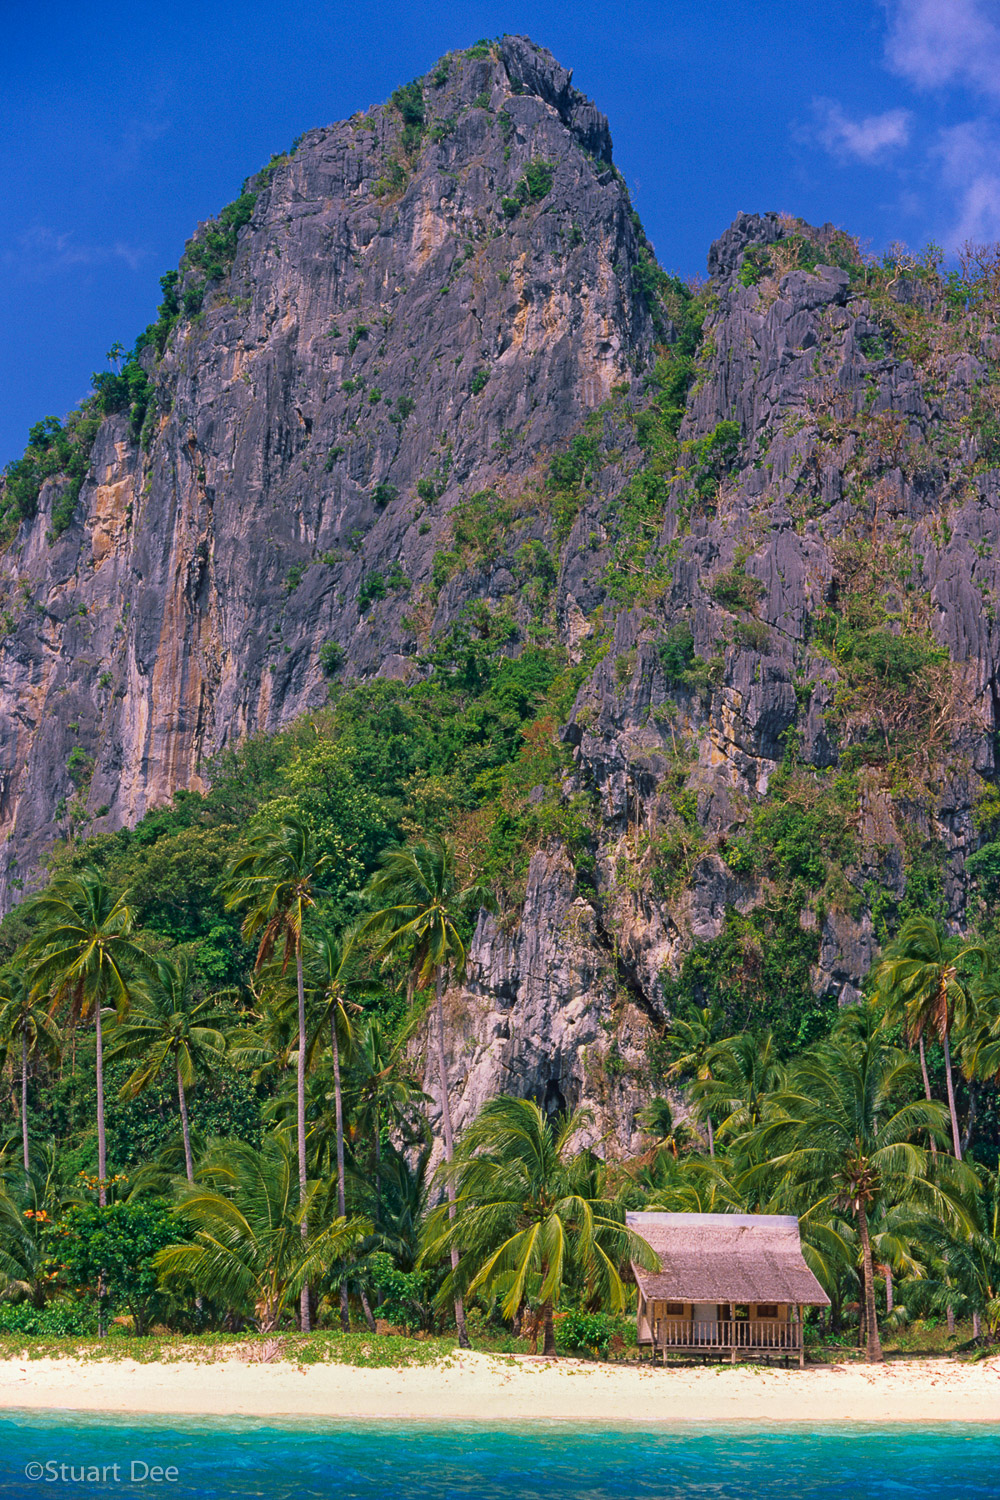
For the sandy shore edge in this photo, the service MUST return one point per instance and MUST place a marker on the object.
(478, 1387)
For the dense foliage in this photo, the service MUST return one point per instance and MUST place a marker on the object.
(206, 1045)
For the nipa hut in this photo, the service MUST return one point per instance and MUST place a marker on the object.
(726, 1283)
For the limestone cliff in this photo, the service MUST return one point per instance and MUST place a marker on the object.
(425, 304)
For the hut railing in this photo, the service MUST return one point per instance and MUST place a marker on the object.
(688, 1333)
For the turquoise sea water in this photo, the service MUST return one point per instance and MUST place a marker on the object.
(243, 1459)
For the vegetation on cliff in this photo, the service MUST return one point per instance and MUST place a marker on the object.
(722, 649)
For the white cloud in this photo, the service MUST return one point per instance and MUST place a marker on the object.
(969, 157)
(937, 42)
(867, 139)
(40, 251)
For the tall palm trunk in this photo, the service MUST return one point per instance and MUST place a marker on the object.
(102, 1154)
(927, 1084)
(711, 1135)
(873, 1345)
(549, 1342)
(378, 1166)
(449, 1145)
(887, 1273)
(24, 1105)
(185, 1126)
(300, 1099)
(338, 1108)
(970, 1119)
(378, 1184)
(955, 1137)
(102, 1144)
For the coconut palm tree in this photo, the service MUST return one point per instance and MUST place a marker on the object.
(691, 1043)
(169, 1026)
(383, 1097)
(664, 1132)
(339, 992)
(81, 955)
(740, 1073)
(245, 1216)
(26, 1029)
(979, 1041)
(531, 1214)
(963, 1276)
(276, 881)
(689, 1184)
(924, 979)
(836, 1138)
(422, 910)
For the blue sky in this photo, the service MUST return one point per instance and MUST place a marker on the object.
(122, 127)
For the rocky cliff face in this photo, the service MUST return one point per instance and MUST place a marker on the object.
(386, 340)
(427, 304)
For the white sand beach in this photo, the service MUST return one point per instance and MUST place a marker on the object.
(478, 1387)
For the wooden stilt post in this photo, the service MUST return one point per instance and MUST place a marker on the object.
(802, 1337)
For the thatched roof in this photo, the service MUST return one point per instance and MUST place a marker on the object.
(726, 1258)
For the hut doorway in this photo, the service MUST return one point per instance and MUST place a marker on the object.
(705, 1316)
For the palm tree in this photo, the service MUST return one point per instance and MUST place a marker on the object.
(666, 1133)
(920, 980)
(528, 1216)
(964, 1272)
(979, 1041)
(740, 1073)
(169, 1026)
(421, 919)
(246, 1215)
(404, 1204)
(81, 954)
(27, 1027)
(276, 881)
(339, 991)
(383, 1097)
(837, 1138)
(692, 1043)
(690, 1184)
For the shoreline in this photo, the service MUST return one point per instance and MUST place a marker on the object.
(471, 1387)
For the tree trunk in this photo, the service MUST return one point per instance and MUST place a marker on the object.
(102, 1155)
(366, 1310)
(300, 1098)
(185, 1126)
(449, 1146)
(24, 1107)
(338, 1106)
(927, 1084)
(549, 1344)
(949, 1313)
(102, 1145)
(873, 1346)
(970, 1119)
(711, 1135)
(378, 1166)
(956, 1142)
(887, 1272)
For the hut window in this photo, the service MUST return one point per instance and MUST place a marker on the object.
(741, 1312)
(767, 1309)
(675, 1309)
